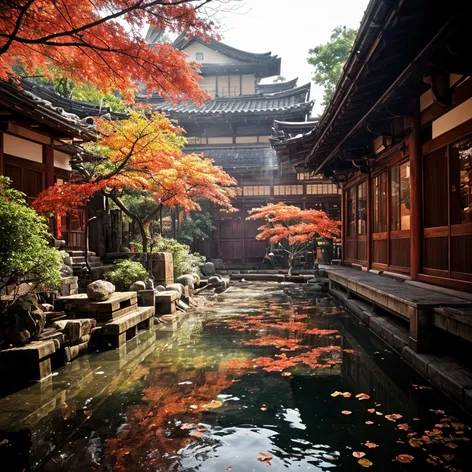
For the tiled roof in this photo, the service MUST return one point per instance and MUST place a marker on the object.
(290, 100)
(276, 87)
(68, 105)
(237, 54)
(239, 157)
(24, 102)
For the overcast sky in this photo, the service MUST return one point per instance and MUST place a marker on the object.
(289, 28)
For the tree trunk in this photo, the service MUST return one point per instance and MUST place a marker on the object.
(290, 264)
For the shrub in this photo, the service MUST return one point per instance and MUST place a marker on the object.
(26, 259)
(125, 273)
(185, 262)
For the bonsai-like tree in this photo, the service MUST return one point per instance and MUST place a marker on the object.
(27, 263)
(141, 153)
(296, 227)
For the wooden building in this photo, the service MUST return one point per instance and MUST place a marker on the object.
(37, 140)
(398, 136)
(234, 129)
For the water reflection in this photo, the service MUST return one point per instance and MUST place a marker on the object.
(253, 374)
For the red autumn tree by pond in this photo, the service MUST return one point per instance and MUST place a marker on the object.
(292, 226)
(100, 42)
(141, 154)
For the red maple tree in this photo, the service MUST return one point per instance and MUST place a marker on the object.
(294, 226)
(99, 42)
(141, 153)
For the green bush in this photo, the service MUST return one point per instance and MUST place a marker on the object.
(185, 262)
(26, 258)
(125, 273)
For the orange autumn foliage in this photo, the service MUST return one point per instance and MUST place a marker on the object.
(142, 153)
(100, 43)
(290, 223)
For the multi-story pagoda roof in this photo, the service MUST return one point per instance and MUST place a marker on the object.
(294, 100)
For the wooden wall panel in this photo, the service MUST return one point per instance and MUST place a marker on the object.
(435, 199)
(350, 250)
(461, 254)
(379, 251)
(362, 250)
(436, 253)
(400, 252)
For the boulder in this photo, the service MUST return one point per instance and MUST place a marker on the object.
(208, 269)
(137, 286)
(176, 287)
(187, 280)
(100, 290)
(150, 284)
(159, 288)
(66, 271)
(214, 280)
(218, 263)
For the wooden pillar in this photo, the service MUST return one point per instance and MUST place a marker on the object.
(416, 191)
(48, 161)
(2, 170)
(369, 220)
(343, 222)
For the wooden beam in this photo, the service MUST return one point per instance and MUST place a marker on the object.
(416, 192)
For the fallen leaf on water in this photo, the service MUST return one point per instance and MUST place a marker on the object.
(365, 462)
(370, 445)
(423, 387)
(362, 396)
(369, 422)
(394, 417)
(264, 457)
(336, 394)
(196, 434)
(358, 454)
(371, 410)
(451, 445)
(438, 412)
(449, 457)
(414, 442)
(263, 408)
(457, 425)
(187, 426)
(379, 413)
(404, 458)
(426, 439)
(403, 427)
(346, 394)
(378, 404)
(416, 419)
(434, 432)
(229, 469)
(346, 412)
(213, 404)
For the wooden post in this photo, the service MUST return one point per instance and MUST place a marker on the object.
(343, 223)
(415, 196)
(48, 161)
(369, 220)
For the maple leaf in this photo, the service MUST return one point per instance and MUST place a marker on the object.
(362, 396)
(393, 417)
(365, 462)
(346, 412)
(264, 457)
(358, 455)
(371, 445)
(404, 458)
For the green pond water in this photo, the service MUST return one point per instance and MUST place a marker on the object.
(201, 398)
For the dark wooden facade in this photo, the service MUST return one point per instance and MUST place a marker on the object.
(398, 136)
(35, 148)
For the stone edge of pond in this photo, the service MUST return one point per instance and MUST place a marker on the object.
(449, 377)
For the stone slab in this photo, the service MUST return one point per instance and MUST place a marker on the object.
(450, 381)
(32, 352)
(122, 324)
(167, 297)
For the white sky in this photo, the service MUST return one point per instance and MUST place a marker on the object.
(289, 28)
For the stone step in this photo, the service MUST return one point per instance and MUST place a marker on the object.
(81, 259)
(80, 253)
(79, 265)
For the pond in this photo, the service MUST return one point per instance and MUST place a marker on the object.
(270, 375)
